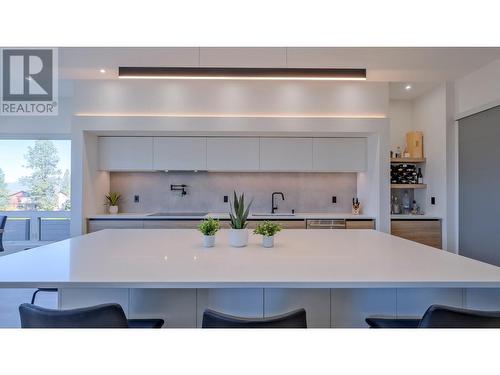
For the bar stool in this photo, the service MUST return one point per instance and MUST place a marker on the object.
(293, 319)
(438, 316)
(108, 315)
(3, 221)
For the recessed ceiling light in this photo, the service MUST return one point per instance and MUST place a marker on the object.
(102, 71)
(408, 87)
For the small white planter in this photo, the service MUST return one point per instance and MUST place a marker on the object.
(238, 237)
(267, 241)
(113, 210)
(208, 241)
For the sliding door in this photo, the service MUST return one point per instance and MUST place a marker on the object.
(479, 186)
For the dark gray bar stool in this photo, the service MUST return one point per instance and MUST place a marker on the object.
(438, 316)
(293, 319)
(108, 315)
(3, 221)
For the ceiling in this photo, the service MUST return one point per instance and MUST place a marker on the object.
(423, 67)
(398, 91)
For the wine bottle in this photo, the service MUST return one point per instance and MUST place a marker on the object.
(420, 178)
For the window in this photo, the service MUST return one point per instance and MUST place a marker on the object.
(35, 178)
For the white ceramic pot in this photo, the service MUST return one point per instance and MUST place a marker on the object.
(208, 241)
(267, 241)
(113, 210)
(238, 237)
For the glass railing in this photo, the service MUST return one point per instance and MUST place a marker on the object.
(36, 225)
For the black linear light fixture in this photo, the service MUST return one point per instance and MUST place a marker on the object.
(307, 74)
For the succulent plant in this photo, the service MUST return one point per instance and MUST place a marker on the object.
(239, 213)
(209, 226)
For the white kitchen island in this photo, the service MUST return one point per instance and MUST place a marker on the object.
(338, 276)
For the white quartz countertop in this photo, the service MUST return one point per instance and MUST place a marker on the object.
(175, 258)
(224, 215)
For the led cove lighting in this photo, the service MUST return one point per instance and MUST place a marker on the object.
(229, 115)
(301, 74)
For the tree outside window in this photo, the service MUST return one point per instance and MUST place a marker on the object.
(35, 181)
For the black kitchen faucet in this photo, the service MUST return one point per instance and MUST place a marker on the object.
(274, 206)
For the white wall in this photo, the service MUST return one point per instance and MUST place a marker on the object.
(39, 127)
(429, 112)
(42, 127)
(451, 170)
(478, 91)
(401, 117)
(232, 97)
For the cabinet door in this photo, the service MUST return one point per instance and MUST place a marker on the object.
(359, 224)
(285, 224)
(339, 154)
(286, 154)
(427, 232)
(233, 154)
(95, 225)
(171, 224)
(180, 153)
(126, 153)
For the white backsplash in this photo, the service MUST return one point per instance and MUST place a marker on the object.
(304, 192)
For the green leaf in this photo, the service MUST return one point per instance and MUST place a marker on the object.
(238, 212)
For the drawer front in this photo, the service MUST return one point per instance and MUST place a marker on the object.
(360, 224)
(427, 232)
(285, 224)
(326, 224)
(96, 225)
(171, 224)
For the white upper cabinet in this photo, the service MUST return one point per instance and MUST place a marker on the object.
(233, 154)
(126, 153)
(180, 153)
(286, 154)
(339, 154)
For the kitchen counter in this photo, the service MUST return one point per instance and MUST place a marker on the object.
(163, 258)
(225, 216)
(415, 217)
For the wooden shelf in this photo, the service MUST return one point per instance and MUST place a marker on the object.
(408, 160)
(408, 186)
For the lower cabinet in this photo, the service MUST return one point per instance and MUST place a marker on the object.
(171, 224)
(360, 224)
(285, 224)
(96, 225)
(427, 232)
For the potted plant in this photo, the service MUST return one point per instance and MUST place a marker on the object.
(112, 202)
(238, 234)
(208, 228)
(267, 229)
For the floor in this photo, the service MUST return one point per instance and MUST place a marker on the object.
(10, 299)
(15, 246)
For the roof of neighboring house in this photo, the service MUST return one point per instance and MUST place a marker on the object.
(22, 192)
